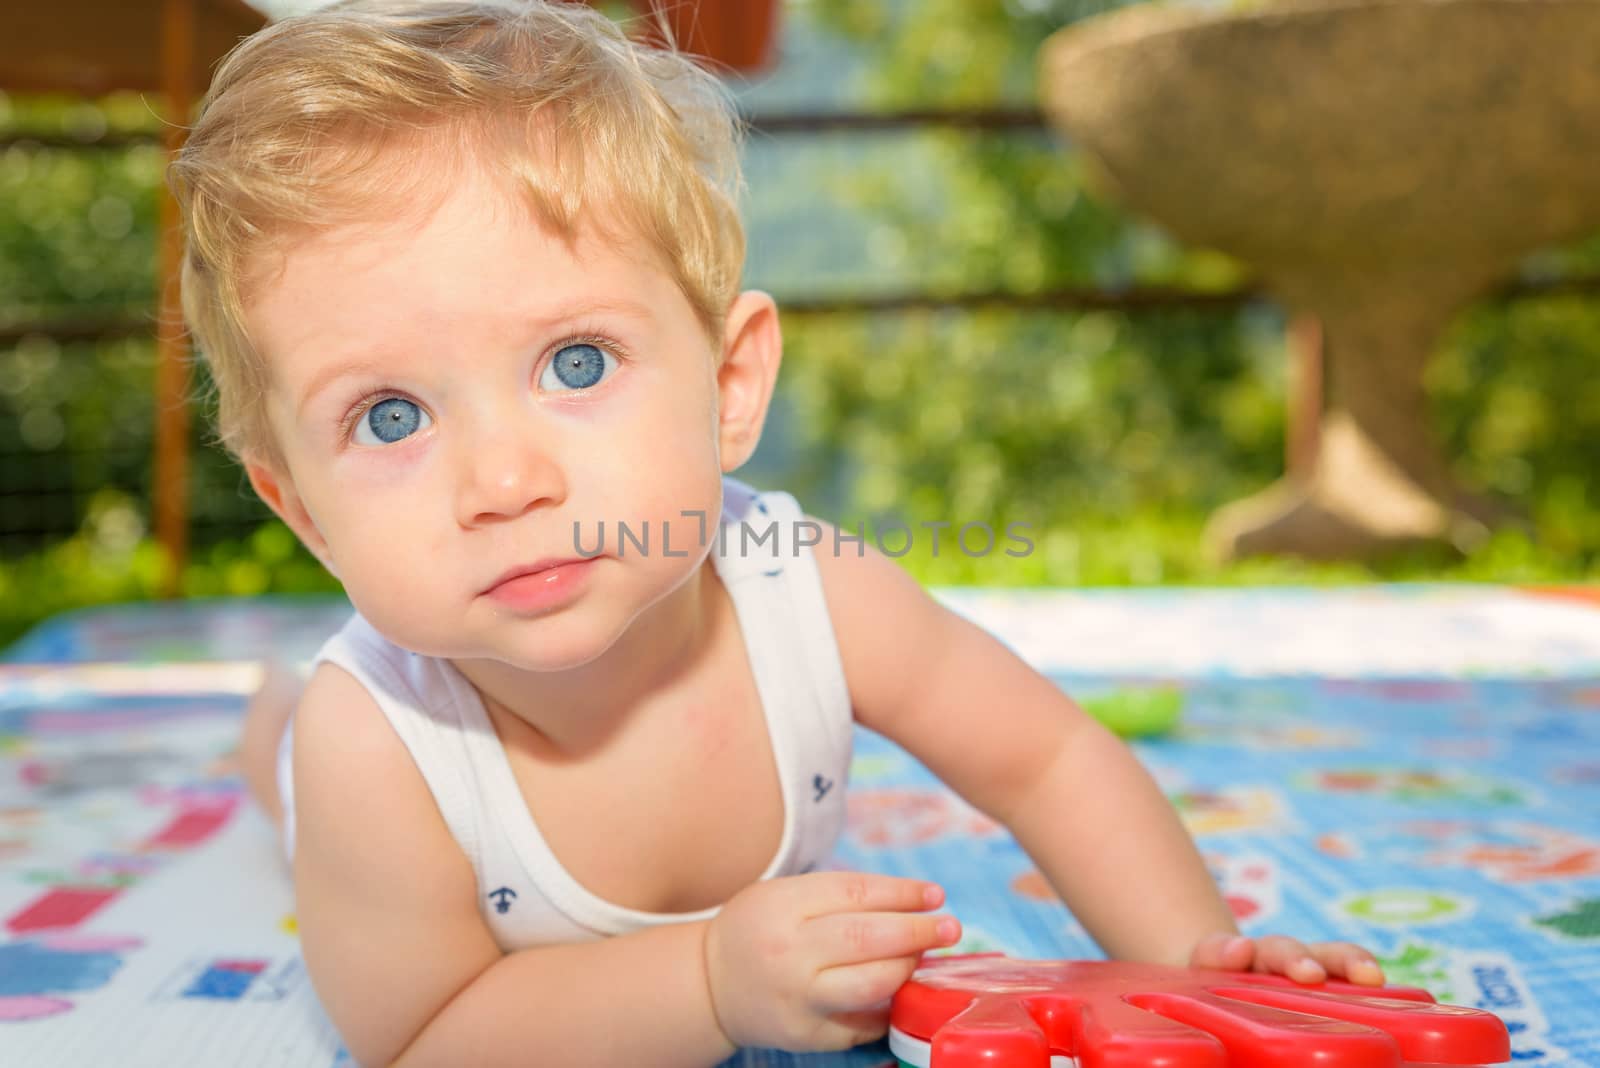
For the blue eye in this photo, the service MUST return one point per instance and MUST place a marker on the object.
(576, 366)
(390, 421)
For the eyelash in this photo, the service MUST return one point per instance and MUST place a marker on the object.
(367, 401)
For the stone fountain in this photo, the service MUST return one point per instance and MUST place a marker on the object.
(1378, 163)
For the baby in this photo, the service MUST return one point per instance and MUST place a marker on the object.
(466, 276)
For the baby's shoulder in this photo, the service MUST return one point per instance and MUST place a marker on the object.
(888, 629)
(339, 723)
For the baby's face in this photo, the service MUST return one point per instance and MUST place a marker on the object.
(453, 395)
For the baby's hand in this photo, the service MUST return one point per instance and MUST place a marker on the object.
(809, 962)
(1282, 955)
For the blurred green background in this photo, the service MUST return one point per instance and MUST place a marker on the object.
(1112, 434)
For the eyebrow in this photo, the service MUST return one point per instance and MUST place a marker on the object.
(369, 365)
(329, 375)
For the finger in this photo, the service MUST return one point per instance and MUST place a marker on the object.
(853, 937)
(1349, 961)
(837, 891)
(1223, 950)
(1282, 955)
(860, 987)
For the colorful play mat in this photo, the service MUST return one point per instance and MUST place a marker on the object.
(1415, 768)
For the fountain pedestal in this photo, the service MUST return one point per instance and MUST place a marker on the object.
(1378, 162)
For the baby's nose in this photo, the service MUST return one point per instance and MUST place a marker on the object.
(507, 474)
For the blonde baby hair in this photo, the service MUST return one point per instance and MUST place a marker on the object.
(338, 115)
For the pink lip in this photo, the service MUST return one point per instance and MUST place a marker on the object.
(542, 585)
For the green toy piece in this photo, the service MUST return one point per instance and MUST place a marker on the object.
(1137, 713)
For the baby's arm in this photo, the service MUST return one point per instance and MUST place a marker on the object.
(400, 956)
(410, 974)
(1009, 741)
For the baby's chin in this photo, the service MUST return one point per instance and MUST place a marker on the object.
(547, 645)
(564, 651)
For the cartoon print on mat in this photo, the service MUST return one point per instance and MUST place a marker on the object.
(94, 771)
(1582, 773)
(1405, 906)
(1339, 844)
(1526, 852)
(236, 629)
(1580, 922)
(113, 786)
(1507, 851)
(232, 979)
(1424, 964)
(1458, 749)
(1482, 980)
(1414, 785)
(111, 714)
(108, 796)
(1249, 885)
(1275, 737)
(900, 817)
(1584, 696)
(1255, 702)
(1402, 691)
(1231, 809)
(1495, 983)
(73, 894)
(60, 907)
(1552, 729)
(1565, 694)
(36, 971)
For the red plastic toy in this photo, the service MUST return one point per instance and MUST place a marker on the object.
(987, 1011)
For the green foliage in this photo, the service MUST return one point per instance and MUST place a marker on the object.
(110, 560)
(953, 53)
(77, 226)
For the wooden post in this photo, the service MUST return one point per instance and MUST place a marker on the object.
(1304, 428)
(171, 482)
(734, 34)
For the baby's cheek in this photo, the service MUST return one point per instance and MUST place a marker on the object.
(390, 585)
(401, 616)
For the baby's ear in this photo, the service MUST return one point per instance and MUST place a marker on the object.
(275, 486)
(752, 349)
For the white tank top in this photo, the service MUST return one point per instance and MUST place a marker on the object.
(525, 895)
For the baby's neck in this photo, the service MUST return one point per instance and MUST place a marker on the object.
(577, 712)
